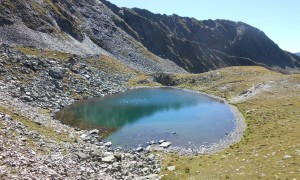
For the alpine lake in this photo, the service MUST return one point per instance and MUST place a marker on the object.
(135, 117)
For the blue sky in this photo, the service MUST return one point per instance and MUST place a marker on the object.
(279, 19)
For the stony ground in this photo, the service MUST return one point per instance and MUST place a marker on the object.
(35, 146)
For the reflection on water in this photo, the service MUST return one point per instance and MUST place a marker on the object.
(141, 115)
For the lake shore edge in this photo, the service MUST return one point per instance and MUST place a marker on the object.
(232, 138)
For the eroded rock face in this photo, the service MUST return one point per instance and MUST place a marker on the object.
(200, 46)
(140, 39)
(78, 27)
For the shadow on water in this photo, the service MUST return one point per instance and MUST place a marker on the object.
(140, 114)
(115, 111)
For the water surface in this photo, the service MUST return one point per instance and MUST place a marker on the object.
(137, 116)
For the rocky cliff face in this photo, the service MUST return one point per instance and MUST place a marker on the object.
(142, 40)
(200, 46)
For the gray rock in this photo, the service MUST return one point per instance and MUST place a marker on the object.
(26, 98)
(139, 149)
(108, 159)
(150, 176)
(81, 155)
(161, 141)
(148, 148)
(107, 144)
(85, 137)
(118, 157)
(95, 131)
(151, 156)
(7, 117)
(152, 142)
(57, 72)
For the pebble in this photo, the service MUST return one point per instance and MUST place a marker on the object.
(171, 168)
(287, 157)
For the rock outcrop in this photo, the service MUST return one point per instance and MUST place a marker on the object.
(79, 27)
(200, 46)
(138, 38)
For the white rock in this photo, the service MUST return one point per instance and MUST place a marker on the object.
(148, 148)
(171, 168)
(139, 149)
(161, 141)
(108, 144)
(83, 136)
(95, 131)
(287, 157)
(165, 144)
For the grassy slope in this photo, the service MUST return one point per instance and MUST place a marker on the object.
(273, 123)
(273, 131)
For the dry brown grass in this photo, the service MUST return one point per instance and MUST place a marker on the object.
(109, 65)
(44, 53)
(273, 127)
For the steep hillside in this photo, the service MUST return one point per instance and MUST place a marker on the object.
(140, 39)
(56, 52)
(77, 27)
(200, 46)
(298, 54)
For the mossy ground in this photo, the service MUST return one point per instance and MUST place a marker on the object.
(273, 124)
(142, 80)
(109, 65)
(44, 53)
(48, 132)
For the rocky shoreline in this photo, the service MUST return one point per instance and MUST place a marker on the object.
(78, 159)
(35, 85)
(31, 148)
(232, 138)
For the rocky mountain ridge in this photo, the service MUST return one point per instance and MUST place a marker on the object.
(138, 38)
(82, 27)
(200, 46)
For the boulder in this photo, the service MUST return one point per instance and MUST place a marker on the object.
(95, 131)
(107, 144)
(81, 155)
(57, 72)
(161, 141)
(108, 159)
(139, 149)
(26, 98)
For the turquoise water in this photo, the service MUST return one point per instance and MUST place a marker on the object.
(137, 116)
